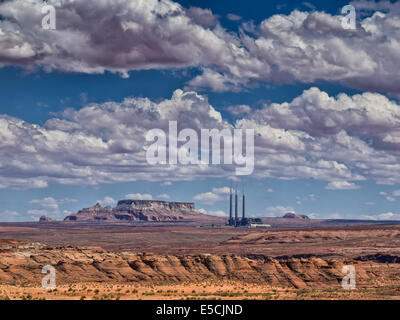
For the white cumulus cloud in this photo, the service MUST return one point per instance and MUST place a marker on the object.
(139, 196)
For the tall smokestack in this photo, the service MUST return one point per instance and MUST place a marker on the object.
(243, 204)
(236, 208)
(244, 207)
(230, 207)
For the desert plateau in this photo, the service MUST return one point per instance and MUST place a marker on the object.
(192, 262)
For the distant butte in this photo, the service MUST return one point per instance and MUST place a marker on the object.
(291, 215)
(46, 219)
(139, 210)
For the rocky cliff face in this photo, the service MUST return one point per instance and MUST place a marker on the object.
(148, 204)
(137, 210)
(22, 263)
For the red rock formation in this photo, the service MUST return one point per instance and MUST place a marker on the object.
(23, 262)
(138, 210)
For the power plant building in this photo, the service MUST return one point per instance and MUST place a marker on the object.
(243, 221)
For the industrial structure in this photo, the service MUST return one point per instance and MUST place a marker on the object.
(243, 221)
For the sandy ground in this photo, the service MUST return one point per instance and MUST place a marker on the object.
(343, 241)
(209, 290)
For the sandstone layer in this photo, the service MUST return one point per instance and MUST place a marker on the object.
(21, 263)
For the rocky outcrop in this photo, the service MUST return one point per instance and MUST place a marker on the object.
(46, 219)
(23, 262)
(291, 215)
(138, 210)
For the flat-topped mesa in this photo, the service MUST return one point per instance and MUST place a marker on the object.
(156, 204)
(138, 210)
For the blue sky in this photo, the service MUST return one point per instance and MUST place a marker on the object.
(39, 90)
